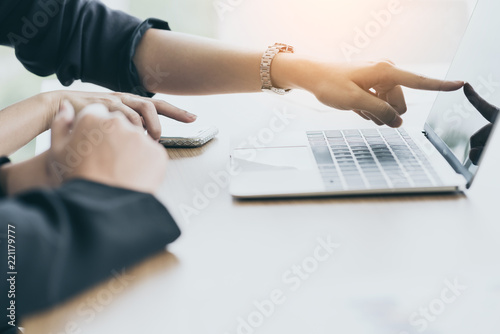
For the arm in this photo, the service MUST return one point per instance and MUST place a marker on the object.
(202, 66)
(103, 218)
(19, 124)
(71, 238)
(81, 42)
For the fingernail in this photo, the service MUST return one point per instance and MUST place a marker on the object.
(192, 116)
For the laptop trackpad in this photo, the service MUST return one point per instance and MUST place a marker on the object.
(273, 158)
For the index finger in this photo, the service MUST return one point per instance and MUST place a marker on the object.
(170, 111)
(417, 81)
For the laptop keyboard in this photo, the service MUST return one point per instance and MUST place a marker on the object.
(370, 159)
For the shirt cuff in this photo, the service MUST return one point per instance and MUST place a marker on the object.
(3, 161)
(130, 78)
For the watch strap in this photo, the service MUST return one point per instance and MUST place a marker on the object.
(265, 66)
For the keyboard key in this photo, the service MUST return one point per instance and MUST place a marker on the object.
(334, 134)
(368, 132)
(348, 133)
(322, 155)
(314, 133)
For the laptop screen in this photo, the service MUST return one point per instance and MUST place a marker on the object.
(460, 122)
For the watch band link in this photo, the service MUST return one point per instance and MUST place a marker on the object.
(265, 67)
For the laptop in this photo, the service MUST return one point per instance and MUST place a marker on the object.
(442, 157)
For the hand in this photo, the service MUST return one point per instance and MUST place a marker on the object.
(104, 147)
(490, 113)
(139, 110)
(372, 90)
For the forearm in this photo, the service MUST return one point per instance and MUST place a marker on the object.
(176, 63)
(23, 121)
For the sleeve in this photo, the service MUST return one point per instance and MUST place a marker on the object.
(3, 161)
(76, 39)
(61, 242)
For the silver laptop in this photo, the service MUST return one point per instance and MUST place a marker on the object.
(442, 157)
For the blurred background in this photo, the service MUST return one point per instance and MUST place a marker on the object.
(405, 31)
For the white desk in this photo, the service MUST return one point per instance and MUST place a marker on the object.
(395, 257)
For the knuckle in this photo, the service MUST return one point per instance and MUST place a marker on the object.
(116, 95)
(387, 60)
(114, 105)
(148, 106)
(383, 71)
(385, 110)
(135, 118)
(383, 66)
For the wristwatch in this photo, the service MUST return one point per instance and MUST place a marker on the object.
(265, 67)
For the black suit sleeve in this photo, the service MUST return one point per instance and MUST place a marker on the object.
(3, 161)
(76, 39)
(69, 239)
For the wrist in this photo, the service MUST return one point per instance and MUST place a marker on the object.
(291, 71)
(51, 101)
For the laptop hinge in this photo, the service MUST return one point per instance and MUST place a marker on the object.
(445, 151)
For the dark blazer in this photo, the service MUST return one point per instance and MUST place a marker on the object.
(76, 39)
(65, 240)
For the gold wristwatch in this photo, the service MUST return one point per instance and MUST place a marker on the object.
(265, 67)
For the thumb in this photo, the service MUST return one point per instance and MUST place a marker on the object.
(63, 121)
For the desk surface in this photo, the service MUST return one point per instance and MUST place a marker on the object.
(399, 265)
